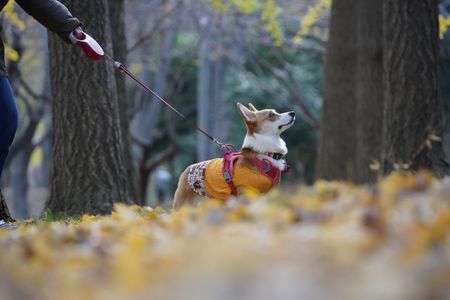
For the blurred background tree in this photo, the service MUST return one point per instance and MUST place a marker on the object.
(381, 92)
(413, 127)
(337, 146)
(204, 56)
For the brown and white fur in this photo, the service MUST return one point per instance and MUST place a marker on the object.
(264, 128)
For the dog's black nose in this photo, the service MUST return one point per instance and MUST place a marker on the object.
(292, 114)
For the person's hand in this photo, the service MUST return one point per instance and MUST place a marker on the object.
(78, 33)
(90, 46)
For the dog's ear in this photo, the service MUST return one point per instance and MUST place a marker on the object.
(252, 107)
(248, 115)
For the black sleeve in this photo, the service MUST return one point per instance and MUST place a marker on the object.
(53, 15)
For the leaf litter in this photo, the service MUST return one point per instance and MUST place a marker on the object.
(332, 240)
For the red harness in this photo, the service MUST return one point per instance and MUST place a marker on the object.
(230, 154)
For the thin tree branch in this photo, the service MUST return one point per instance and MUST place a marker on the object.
(157, 25)
(32, 93)
(309, 118)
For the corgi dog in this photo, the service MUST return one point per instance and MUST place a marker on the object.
(258, 166)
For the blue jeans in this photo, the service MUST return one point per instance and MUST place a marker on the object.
(8, 119)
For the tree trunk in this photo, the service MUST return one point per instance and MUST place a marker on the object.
(337, 141)
(119, 42)
(89, 172)
(204, 151)
(220, 126)
(413, 109)
(4, 211)
(147, 119)
(46, 143)
(46, 146)
(369, 89)
(20, 179)
(20, 182)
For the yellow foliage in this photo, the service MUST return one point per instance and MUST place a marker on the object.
(219, 5)
(246, 6)
(36, 157)
(269, 15)
(444, 24)
(311, 18)
(11, 54)
(269, 9)
(11, 15)
(375, 165)
(393, 236)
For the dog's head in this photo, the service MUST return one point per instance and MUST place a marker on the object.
(265, 122)
(264, 128)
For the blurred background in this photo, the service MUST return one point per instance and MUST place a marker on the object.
(203, 56)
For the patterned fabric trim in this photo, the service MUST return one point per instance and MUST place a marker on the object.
(196, 178)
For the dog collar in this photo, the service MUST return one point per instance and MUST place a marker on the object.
(276, 156)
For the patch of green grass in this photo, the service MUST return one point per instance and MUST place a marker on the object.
(50, 217)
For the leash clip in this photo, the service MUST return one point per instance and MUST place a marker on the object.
(228, 149)
(227, 176)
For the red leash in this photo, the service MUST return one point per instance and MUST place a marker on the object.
(124, 70)
(95, 52)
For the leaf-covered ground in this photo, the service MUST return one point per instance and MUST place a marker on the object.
(328, 241)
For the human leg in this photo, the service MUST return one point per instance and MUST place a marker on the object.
(8, 120)
(8, 127)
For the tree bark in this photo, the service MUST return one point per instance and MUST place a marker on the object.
(147, 119)
(369, 89)
(119, 42)
(205, 70)
(20, 179)
(20, 182)
(89, 172)
(220, 125)
(337, 142)
(413, 108)
(4, 211)
(220, 91)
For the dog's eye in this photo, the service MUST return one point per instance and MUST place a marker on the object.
(272, 115)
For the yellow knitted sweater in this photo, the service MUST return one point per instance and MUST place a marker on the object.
(216, 186)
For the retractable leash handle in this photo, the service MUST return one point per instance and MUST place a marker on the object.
(90, 46)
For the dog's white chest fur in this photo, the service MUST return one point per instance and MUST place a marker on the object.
(264, 143)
